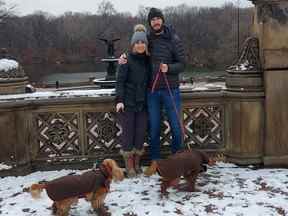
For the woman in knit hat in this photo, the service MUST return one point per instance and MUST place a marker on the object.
(131, 88)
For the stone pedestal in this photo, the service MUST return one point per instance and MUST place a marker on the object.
(12, 80)
(15, 86)
(245, 107)
(14, 133)
(271, 27)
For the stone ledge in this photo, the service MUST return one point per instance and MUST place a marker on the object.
(276, 161)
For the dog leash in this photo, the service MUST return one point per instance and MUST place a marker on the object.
(156, 80)
(175, 108)
(172, 99)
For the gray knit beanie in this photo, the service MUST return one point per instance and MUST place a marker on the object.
(139, 35)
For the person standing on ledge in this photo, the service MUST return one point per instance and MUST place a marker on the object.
(168, 60)
(131, 89)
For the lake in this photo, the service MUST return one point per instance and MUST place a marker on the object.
(80, 73)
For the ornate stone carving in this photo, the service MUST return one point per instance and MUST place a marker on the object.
(102, 132)
(249, 59)
(98, 134)
(57, 134)
(204, 126)
(14, 73)
(246, 74)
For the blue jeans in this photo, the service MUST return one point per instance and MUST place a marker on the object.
(155, 100)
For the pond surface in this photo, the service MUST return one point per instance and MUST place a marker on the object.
(79, 73)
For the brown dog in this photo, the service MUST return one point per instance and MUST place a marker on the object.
(187, 163)
(92, 185)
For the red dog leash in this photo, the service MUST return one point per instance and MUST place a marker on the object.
(172, 99)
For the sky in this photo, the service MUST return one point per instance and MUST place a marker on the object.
(57, 7)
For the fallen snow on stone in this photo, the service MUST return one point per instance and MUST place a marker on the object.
(5, 167)
(203, 86)
(53, 94)
(58, 94)
(7, 64)
(244, 66)
(224, 190)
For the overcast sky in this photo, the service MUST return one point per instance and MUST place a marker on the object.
(57, 7)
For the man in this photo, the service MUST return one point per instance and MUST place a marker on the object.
(168, 60)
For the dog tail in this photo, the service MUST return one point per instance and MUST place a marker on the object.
(36, 189)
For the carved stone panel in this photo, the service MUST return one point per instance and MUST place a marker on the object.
(204, 126)
(102, 133)
(57, 134)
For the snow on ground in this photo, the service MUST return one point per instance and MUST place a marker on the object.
(224, 190)
(7, 64)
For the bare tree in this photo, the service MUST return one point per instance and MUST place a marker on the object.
(106, 8)
(5, 11)
(208, 34)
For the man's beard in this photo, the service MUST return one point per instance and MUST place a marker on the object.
(158, 30)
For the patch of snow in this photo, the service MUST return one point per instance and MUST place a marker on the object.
(244, 66)
(103, 80)
(58, 94)
(5, 167)
(187, 86)
(8, 64)
(203, 86)
(225, 189)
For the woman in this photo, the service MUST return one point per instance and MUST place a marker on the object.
(131, 88)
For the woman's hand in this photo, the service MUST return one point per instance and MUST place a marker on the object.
(119, 107)
(123, 59)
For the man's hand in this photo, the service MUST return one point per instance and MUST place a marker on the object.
(119, 107)
(164, 68)
(123, 59)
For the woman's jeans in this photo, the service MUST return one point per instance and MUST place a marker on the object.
(156, 100)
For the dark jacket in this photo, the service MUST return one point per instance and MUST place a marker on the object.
(187, 162)
(77, 185)
(132, 81)
(168, 49)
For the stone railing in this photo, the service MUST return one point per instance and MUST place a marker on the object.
(82, 126)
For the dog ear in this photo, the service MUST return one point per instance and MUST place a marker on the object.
(117, 172)
(110, 163)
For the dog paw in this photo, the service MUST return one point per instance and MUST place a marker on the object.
(102, 211)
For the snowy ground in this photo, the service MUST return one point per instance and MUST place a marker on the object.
(225, 190)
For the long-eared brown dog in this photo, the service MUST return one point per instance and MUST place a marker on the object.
(186, 163)
(92, 185)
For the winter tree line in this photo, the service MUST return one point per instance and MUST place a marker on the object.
(210, 34)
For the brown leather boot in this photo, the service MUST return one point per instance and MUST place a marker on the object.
(151, 170)
(137, 159)
(129, 163)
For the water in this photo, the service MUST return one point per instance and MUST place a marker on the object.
(72, 77)
(80, 73)
(72, 73)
